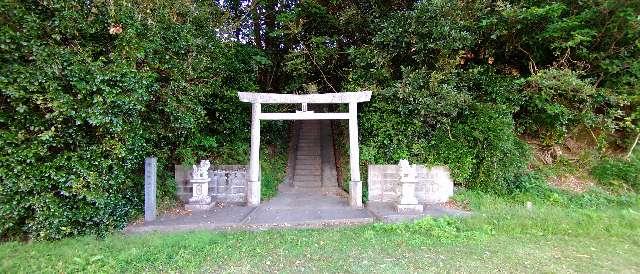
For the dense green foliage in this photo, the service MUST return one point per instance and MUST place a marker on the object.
(456, 83)
(82, 107)
(619, 174)
(90, 88)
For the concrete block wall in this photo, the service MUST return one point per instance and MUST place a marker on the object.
(434, 184)
(228, 183)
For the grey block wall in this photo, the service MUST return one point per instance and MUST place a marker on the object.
(228, 183)
(384, 183)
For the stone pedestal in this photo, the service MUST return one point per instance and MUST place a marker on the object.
(410, 209)
(408, 202)
(200, 199)
(355, 194)
(253, 193)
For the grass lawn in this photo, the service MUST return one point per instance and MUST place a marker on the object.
(501, 236)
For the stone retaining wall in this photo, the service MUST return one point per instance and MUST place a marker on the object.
(228, 183)
(434, 184)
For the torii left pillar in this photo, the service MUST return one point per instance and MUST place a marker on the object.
(253, 193)
(355, 185)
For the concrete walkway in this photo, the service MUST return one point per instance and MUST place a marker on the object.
(290, 208)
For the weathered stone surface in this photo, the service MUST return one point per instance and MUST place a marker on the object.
(308, 161)
(227, 183)
(408, 202)
(199, 206)
(388, 212)
(440, 187)
(201, 171)
(434, 185)
(200, 199)
(150, 166)
(409, 208)
(355, 194)
(340, 97)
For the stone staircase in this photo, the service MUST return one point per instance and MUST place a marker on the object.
(314, 159)
(308, 169)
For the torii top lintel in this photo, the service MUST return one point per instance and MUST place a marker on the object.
(325, 98)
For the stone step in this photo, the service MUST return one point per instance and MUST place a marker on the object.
(309, 141)
(307, 178)
(302, 184)
(303, 147)
(303, 172)
(314, 143)
(306, 146)
(308, 150)
(308, 167)
(308, 158)
(309, 162)
(302, 157)
(307, 153)
(301, 166)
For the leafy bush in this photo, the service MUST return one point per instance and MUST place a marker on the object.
(496, 153)
(558, 100)
(619, 174)
(91, 89)
(436, 118)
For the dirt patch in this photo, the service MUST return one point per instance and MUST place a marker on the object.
(459, 205)
(565, 165)
(571, 183)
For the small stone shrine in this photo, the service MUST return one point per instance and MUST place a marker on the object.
(200, 199)
(388, 184)
(227, 183)
(408, 202)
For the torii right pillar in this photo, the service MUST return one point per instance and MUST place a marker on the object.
(355, 186)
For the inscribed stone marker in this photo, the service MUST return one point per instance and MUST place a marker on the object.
(150, 166)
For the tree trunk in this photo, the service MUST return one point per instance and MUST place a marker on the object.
(257, 24)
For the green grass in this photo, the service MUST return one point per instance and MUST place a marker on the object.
(502, 236)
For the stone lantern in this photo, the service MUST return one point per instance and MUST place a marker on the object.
(200, 199)
(408, 202)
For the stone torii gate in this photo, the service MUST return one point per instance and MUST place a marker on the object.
(351, 98)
